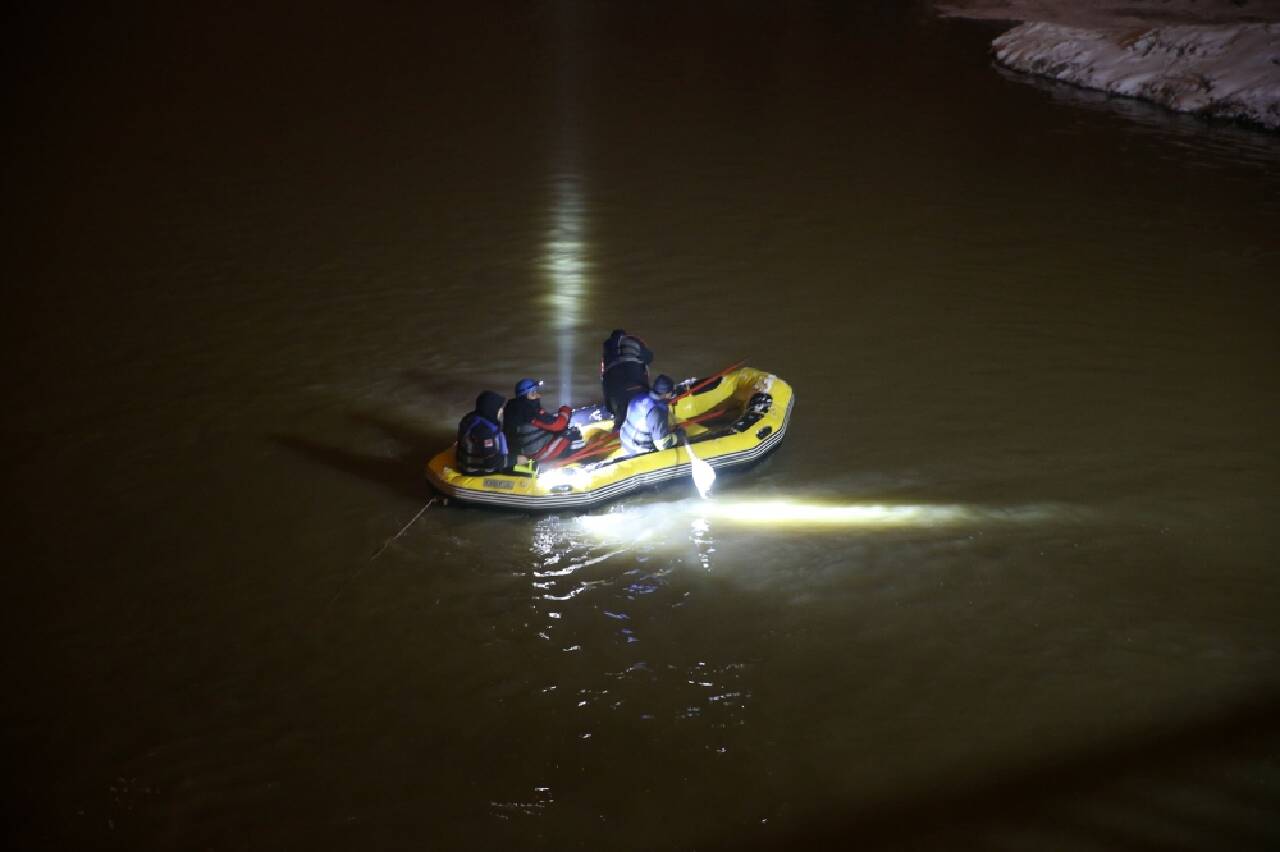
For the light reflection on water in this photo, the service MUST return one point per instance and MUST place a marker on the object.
(630, 552)
(700, 535)
(565, 261)
(609, 593)
(566, 267)
(602, 611)
(664, 523)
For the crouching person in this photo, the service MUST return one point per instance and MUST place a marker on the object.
(648, 423)
(482, 446)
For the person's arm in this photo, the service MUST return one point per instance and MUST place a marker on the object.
(660, 427)
(557, 423)
(646, 354)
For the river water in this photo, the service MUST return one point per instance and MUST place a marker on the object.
(260, 264)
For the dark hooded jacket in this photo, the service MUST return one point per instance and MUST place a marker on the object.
(624, 370)
(482, 446)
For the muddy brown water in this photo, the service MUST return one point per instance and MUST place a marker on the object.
(259, 265)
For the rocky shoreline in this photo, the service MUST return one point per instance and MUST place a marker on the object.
(1215, 60)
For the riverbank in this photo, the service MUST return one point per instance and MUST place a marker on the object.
(1215, 60)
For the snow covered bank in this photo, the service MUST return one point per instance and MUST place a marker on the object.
(1225, 72)
(1214, 67)
(1122, 14)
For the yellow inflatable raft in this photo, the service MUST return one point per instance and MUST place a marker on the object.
(731, 421)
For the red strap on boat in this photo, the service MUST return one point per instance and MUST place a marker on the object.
(609, 441)
(708, 380)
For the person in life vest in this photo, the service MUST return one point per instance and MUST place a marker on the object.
(533, 432)
(482, 446)
(624, 371)
(648, 423)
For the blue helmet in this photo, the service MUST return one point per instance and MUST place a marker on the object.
(526, 386)
(663, 384)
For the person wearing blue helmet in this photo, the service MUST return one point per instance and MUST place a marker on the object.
(648, 424)
(533, 432)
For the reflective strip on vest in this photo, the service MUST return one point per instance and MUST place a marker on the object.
(531, 439)
(482, 448)
(628, 349)
(636, 435)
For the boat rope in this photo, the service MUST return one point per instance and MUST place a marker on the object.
(351, 578)
(403, 529)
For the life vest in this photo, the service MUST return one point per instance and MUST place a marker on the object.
(482, 448)
(624, 349)
(528, 438)
(643, 414)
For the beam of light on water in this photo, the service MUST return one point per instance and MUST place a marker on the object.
(566, 266)
(663, 522)
(565, 262)
(783, 513)
(792, 513)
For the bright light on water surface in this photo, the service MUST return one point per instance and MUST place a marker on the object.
(649, 522)
(566, 266)
(563, 546)
(565, 260)
(797, 513)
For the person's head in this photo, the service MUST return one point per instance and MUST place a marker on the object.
(529, 388)
(663, 387)
(489, 405)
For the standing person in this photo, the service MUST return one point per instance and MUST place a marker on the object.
(624, 371)
(533, 432)
(648, 423)
(482, 446)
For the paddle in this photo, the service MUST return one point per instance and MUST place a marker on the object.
(704, 475)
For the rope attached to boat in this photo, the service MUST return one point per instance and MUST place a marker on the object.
(403, 530)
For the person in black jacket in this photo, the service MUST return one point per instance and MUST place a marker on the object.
(624, 371)
(533, 432)
(482, 445)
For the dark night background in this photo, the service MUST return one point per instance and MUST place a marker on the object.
(259, 261)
